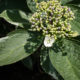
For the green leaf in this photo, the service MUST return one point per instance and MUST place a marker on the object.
(66, 59)
(76, 22)
(17, 46)
(16, 17)
(47, 65)
(75, 2)
(32, 5)
(65, 1)
(11, 4)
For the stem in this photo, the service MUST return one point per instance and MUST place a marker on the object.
(36, 60)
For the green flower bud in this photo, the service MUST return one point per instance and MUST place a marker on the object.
(53, 19)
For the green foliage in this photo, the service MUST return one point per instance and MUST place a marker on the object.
(62, 60)
(47, 65)
(76, 22)
(18, 45)
(66, 59)
(14, 14)
(65, 1)
(11, 4)
(16, 17)
(32, 5)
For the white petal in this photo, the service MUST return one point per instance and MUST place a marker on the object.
(48, 41)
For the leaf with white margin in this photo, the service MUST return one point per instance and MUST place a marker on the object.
(19, 45)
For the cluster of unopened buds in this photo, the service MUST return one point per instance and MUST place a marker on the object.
(53, 20)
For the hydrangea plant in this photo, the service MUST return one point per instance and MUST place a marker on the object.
(47, 32)
(53, 20)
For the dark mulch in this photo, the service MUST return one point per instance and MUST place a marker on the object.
(18, 71)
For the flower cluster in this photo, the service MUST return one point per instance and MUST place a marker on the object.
(53, 19)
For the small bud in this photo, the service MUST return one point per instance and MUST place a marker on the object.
(59, 28)
(32, 26)
(69, 9)
(36, 19)
(52, 8)
(66, 34)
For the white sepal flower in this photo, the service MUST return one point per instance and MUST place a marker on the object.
(48, 41)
